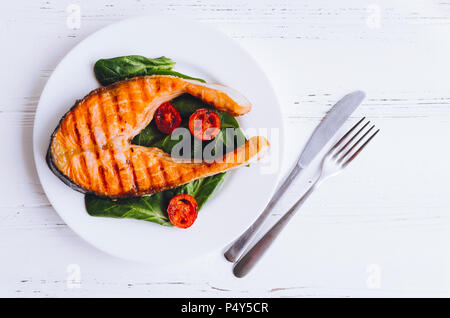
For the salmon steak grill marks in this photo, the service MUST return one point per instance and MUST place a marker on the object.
(91, 148)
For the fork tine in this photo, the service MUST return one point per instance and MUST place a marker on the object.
(357, 152)
(356, 143)
(351, 139)
(346, 134)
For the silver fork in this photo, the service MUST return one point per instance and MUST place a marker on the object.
(334, 162)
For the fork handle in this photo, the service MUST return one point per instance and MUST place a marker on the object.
(250, 258)
(236, 248)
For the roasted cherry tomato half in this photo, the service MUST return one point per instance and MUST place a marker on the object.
(204, 124)
(167, 118)
(182, 210)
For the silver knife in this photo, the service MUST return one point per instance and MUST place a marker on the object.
(327, 128)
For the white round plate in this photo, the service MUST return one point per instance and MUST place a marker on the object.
(201, 52)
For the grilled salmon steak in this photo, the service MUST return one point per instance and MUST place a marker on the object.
(90, 150)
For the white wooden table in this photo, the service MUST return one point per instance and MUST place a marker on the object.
(381, 229)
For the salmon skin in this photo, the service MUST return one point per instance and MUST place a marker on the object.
(91, 151)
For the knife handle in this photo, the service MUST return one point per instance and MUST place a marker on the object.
(250, 258)
(237, 247)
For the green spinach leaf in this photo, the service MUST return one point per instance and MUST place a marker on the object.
(108, 71)
(148, 136)
(187, 104)
(149, 208)
(152, 208)
(207, 188)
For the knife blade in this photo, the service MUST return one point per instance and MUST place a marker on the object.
(329, 126)
(324, 132)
